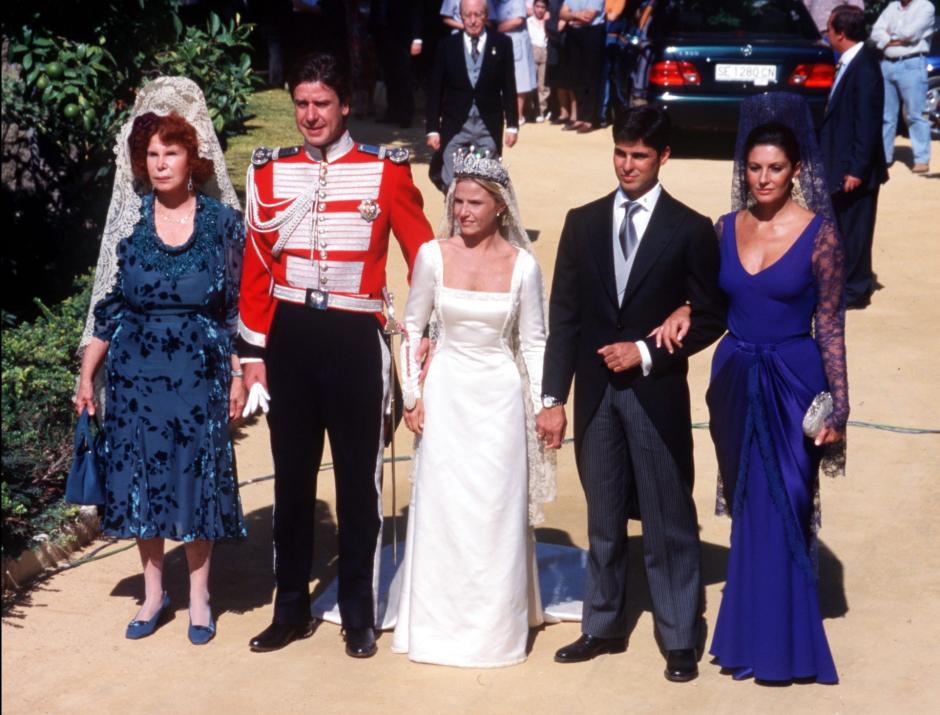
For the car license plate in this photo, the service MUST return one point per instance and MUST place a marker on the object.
(760, 75)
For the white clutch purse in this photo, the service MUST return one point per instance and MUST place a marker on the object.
(815, 418)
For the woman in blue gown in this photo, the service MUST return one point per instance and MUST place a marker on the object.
(782, 269)
(165, 332)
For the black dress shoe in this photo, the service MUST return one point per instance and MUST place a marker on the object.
(278, 635)
(681, 666)
(360, 642)
(586, 647)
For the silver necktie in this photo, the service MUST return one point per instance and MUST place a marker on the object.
(628, 237)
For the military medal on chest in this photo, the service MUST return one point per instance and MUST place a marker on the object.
(369, 209)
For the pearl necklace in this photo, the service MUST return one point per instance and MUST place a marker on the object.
(181, 221)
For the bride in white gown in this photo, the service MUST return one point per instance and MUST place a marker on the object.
(467, 591)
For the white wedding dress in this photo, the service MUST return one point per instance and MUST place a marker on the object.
(467, 591)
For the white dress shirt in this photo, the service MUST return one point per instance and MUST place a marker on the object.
(641, 220)
(844, 60)
(912, 25)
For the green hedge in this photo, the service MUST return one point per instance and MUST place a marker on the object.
(39, 369)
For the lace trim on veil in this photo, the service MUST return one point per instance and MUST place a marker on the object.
(161, 96)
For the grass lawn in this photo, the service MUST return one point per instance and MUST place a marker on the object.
(272, 124)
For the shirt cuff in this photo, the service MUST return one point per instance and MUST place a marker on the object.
(433, 134)
(646, 360)
(512, 130)
(247, 360)
(417, 40)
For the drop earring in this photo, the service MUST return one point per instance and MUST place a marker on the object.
(189, 185)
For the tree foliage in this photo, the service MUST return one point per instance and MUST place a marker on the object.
(73, 73)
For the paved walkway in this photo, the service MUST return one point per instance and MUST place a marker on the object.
(63, 646)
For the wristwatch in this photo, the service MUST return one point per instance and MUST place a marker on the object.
(548, 401)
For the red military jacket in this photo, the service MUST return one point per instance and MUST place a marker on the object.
(321, 223)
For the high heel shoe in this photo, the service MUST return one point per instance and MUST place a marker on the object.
(200, 635)
(142, 629)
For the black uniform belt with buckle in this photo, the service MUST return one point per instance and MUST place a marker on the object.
(323, 300)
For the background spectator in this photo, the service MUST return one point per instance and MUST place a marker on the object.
(471, 93)
(820, 10)
(850, 140)
(902, 32)
(535, 24)
(585, 27)
(509, 17)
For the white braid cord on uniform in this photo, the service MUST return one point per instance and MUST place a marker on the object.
(541, 461)
(287, 221)
(161, 96)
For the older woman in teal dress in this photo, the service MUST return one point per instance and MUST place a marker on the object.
(165, 331)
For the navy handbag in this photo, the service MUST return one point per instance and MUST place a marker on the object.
(85, 483)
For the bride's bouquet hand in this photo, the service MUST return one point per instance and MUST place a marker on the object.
(414, 418)
(673, 329)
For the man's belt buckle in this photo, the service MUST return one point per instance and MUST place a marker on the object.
(317, 299)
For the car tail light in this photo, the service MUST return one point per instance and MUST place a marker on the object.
(816, 76)
(671, 72)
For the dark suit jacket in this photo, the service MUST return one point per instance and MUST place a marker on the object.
(677, 261)
(450, 94)
(395, 22)
(850, 134)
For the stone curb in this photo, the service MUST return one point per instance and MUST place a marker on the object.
(19, 571)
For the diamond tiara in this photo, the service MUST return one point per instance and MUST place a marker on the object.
(472, 163)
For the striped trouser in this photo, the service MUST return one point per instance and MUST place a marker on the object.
(622, 450)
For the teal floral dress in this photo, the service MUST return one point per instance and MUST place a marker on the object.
(171, 320)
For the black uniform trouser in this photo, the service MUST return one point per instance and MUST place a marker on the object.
(855, 216)
(327, 372)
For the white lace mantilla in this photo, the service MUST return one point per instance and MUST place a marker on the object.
(161, 96)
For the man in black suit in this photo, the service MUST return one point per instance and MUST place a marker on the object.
(394, 27)
(624, 263)
(472, 91)
(851, 143)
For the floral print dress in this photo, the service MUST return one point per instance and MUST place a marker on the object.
(171, 320)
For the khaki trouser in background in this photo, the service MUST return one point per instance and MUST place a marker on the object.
(540, 54)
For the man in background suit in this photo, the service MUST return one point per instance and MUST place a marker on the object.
(625, 262)
(395, 27)
(851, 143)
(472, 91)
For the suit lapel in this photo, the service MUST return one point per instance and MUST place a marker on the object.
(659, 232)
(602, 246)
(485, 61)
(846, 76)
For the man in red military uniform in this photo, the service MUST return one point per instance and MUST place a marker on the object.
(310, 334)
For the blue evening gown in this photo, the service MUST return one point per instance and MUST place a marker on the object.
(785, 345)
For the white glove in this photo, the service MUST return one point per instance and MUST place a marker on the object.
(257, 397)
